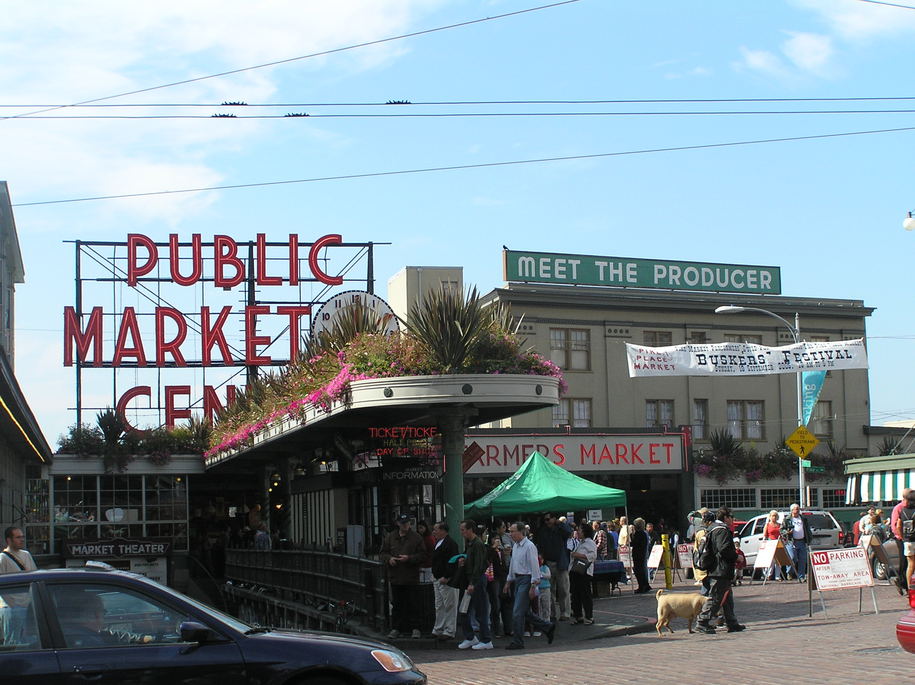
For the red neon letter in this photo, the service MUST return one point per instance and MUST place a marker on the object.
(122, 405)
(225, 252)
(172, 346)
(129, 325)
(293, 259)
(92, 336)
(252, 340)
(134, 271)
(209, 336)
(261, 251)
(174, 259)
(170, 412)
(332, 239)
(211, 403)
(295, 331)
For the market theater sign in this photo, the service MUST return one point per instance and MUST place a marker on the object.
(593, 452)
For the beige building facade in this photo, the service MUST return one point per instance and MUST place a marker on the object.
(583, 329)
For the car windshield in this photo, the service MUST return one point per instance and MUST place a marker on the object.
(820, 521)
(233, 622)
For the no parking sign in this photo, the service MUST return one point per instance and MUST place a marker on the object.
(840, 569)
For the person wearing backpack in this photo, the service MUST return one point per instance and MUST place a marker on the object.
(901, 585)
(905, 531)
(718, 556)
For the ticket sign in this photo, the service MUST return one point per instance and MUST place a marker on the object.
(840, 569)
(802, 441)
(685, 556)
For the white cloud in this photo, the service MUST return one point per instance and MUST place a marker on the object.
(809, 51)
(859, 21)
(55, 53)
(762, 61)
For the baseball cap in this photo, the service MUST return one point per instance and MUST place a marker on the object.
(404, 518)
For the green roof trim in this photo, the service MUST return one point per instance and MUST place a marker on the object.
(893, 462)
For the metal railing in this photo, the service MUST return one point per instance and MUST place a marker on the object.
(306, 588)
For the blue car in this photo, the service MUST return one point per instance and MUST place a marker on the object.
(110, 627)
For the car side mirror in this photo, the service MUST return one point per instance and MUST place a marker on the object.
(192, 631)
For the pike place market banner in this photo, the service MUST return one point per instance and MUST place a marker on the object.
(745, 359)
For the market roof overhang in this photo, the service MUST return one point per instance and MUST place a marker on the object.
(879, 479)
(398, 401)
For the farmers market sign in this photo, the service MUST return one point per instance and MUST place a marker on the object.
(571, 269)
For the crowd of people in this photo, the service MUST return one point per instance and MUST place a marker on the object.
(515, 579)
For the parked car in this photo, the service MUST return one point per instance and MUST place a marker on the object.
(905, 626)
(110, 627)
(823, 526)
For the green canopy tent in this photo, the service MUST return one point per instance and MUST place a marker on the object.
(539, 485)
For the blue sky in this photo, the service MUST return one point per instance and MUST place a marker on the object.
(828, 211)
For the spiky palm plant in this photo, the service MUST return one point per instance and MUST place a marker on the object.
(452, 327)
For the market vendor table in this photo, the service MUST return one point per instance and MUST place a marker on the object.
(608, 570)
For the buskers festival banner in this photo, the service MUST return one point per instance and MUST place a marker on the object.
(745, 359)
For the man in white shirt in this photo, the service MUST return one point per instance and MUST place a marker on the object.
(15, 558)
(524, 574)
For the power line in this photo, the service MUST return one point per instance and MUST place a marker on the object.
(466, 115)
(302, 57)
(541, 160)
(411, 103)
(888, 4)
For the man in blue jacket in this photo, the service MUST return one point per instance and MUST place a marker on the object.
(720, 596)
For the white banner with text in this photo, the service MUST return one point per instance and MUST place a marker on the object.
(745, 359)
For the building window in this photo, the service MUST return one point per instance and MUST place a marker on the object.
(570, 348)
(817, 338)
(698, 338)
(743, 338)
(572, 412)
(743, 498)
(699, 419)
(832, 499)
(658, 338)
(659, 413)
(746, 419)
(777, 498)
(821, 420)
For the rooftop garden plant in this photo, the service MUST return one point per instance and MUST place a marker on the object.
(447, 333)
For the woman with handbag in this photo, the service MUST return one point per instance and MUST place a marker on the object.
(581, 572)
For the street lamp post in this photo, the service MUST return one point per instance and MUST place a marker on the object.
(796, 334)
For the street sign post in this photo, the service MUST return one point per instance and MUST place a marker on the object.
(802, 441)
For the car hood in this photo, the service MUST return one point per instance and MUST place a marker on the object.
(316, 637)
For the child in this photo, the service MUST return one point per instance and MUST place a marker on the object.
(740, 564)
(544, 604)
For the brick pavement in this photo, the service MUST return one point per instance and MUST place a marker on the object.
(781, 646)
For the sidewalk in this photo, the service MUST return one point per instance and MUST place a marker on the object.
(630, 614)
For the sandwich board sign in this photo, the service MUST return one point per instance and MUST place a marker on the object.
(655, 556)
(843, 569)
(840, 569)
(771, 551)
(685, 556)
(872, 544)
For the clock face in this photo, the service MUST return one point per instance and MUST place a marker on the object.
(325, 317)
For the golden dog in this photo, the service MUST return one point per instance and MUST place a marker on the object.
(679, 604)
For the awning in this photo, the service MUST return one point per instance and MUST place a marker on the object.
(879, 479)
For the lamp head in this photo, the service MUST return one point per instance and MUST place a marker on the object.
(733, 309)
(909, 222)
